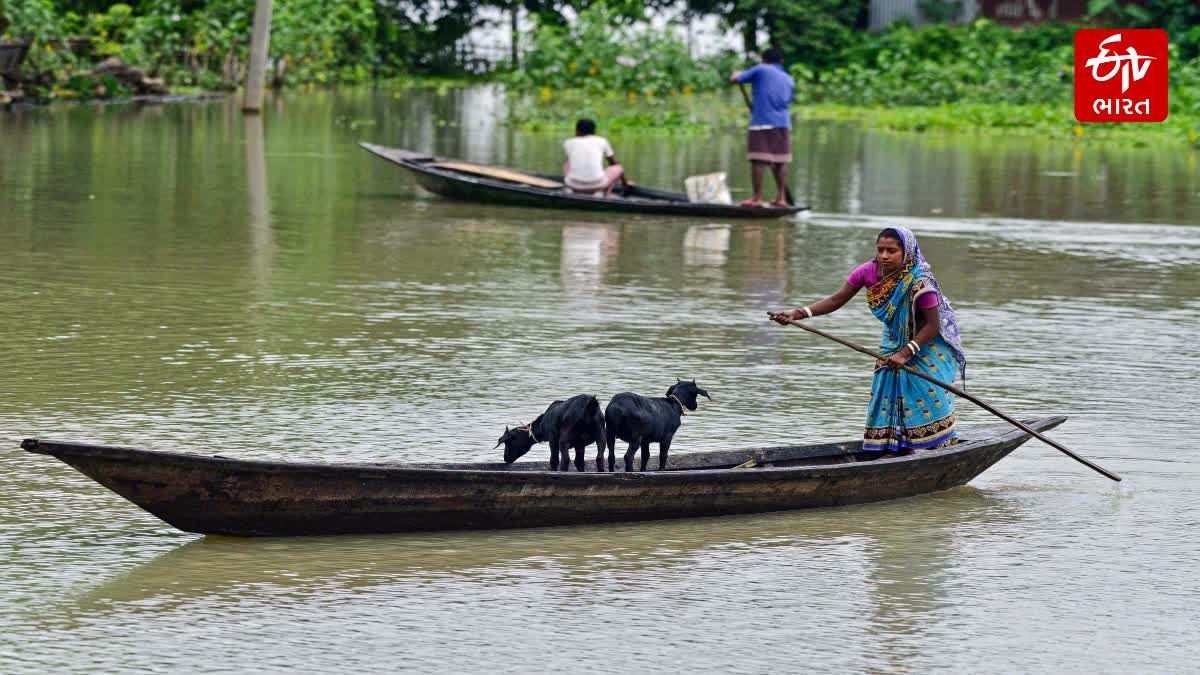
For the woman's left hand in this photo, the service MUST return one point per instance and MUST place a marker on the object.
(898, 359)
(782, 318)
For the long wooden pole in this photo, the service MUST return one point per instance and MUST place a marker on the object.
(959, 392)
(256, 71)
(787, 191)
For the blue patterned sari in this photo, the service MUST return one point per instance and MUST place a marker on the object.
(906, 412)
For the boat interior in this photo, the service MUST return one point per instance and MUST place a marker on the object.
(782, 456)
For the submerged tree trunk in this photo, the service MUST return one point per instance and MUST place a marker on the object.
(514, 19)
(260, 41)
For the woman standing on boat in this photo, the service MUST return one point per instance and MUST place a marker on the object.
(919, 330)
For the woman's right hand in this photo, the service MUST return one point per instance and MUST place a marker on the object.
(782, 318)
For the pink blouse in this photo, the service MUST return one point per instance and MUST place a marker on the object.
(867, 274)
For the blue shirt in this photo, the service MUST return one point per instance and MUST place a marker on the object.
(773, 89)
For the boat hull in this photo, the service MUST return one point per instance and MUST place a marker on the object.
(214, 495)
(462, 187)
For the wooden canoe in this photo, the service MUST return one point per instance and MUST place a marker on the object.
(499, 185)
(219, 495)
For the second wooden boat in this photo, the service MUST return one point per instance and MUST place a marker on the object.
(497, 185)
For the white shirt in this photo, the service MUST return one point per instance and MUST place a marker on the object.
(585, 160)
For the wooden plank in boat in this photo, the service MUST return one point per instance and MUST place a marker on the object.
(498, 172)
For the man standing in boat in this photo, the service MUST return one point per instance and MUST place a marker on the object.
(769, 139)
(584, 170)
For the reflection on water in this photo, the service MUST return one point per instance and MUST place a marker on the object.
(258, 201)
(184, 278)
(706, 245)
(904, 554)
(587, 251)
(214, 566)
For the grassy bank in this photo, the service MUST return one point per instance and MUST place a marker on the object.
(698, 114)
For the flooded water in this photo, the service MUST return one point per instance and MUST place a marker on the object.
(182, 278)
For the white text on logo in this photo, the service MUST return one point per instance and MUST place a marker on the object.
(1125, 64)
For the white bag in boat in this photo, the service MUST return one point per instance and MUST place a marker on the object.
(709, 188)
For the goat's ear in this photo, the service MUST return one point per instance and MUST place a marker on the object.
(703, 393)
(498, 443)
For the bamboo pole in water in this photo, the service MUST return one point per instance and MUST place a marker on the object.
(260, 41)
(959, 392)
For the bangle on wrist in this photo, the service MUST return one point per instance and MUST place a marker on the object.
(807, 312)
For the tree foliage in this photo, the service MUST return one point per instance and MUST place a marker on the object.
(205, 41)
(604, 49)
(1180, 18)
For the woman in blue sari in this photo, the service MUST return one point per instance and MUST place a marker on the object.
(920, 329)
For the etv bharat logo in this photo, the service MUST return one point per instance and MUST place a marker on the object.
(1139, 56)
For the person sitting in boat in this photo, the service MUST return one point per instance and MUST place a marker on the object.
(584, 170)
(920, 330)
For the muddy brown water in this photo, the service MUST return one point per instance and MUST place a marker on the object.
(182, 278)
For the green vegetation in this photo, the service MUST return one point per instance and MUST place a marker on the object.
(204, 42)
(701, 114)
(609, 63)
(674, 113)
(980, 63)
(937, 78)
(1053, 122)
(601, 51)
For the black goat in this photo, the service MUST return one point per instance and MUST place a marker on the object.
(574, 423)
(641, 421)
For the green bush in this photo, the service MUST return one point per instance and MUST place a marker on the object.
(602, 52)
(192, 42)
(816, 32)
(39, 21)
(109, 30)
(325, 40)
(938, 64)
(978, 63)
(1180, 18)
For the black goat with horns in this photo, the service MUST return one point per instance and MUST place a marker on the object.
(641, 421)
(574, 423)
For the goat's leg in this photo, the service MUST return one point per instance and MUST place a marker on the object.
(554, 456)
(612, 452)
(579, 458)
(645, 453)
(663, 447)
(633, 445)
(600, 444)
(564, 453)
